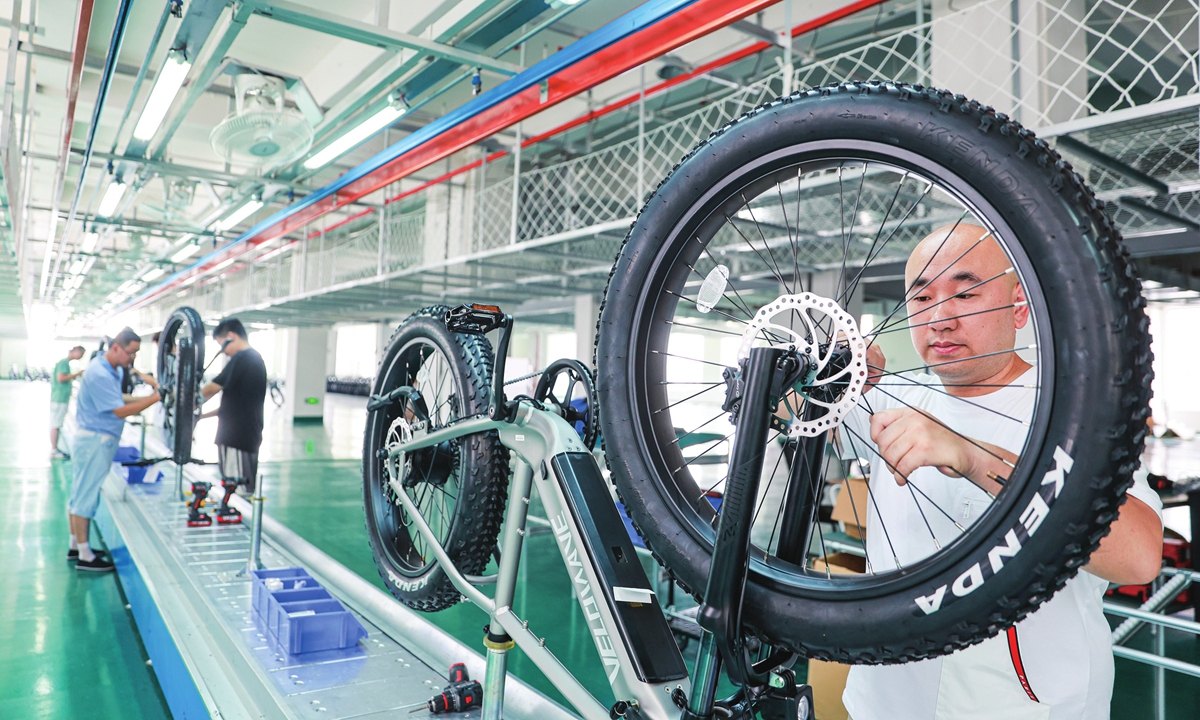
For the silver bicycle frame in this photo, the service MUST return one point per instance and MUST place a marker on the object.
(538, 437)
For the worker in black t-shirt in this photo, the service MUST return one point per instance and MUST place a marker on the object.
(243, 388)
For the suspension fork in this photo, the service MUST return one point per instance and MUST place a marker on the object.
(795, 527)
(720, 616)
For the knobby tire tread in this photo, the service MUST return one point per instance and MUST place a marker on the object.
(1133, 338)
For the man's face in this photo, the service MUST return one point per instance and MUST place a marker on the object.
(226, 341)
(126, 354)
(961, 304)
(75, 354)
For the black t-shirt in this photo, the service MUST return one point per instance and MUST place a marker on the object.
(243, 389)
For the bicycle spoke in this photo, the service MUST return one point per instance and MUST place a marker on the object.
(981, 283)
(770, 265)
(701, 327)
(945, 319)
(745, 305)
(956, 397)
(871, 447)
(847, 236)
(689, 397)
(871, 499)
(853, 287)
(767, 245)
(694, 458)
(697, 428)
(952, 362)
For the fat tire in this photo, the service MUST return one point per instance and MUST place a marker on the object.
(483, 466)
(1101, 365)
(183, 330)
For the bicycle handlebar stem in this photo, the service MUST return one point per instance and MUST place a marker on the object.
(500, 408)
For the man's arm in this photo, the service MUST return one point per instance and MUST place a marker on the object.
(133, 407)
(1131, 553)
(210, 389)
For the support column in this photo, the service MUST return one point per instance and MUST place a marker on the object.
(587, 312)
(308, 349)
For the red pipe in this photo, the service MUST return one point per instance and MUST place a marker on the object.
(695, 21)
(627, 101)
(83, 26)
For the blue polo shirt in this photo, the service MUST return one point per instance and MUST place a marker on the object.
(99, 395)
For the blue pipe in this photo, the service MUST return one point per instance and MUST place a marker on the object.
(635, 20)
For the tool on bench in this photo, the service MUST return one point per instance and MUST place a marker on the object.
(199, 495)
(460, 695)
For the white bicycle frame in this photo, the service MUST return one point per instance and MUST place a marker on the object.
(625, 619)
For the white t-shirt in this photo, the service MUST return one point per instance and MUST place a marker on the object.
(1065, 646)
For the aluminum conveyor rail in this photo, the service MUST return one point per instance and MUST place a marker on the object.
(213, 659)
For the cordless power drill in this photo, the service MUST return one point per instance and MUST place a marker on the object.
(460, 695)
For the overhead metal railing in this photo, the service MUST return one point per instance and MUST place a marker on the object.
(643, 34)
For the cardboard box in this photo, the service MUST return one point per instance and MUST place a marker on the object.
(828, 680)
(841, 564)
(852, 515)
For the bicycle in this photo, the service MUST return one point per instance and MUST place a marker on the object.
(765, 237)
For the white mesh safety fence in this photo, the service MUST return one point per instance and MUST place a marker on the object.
(1043, 62)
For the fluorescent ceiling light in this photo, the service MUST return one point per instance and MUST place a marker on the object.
(166, 86)
(112, 196)
(238, 215)
(185, 252)
(223, 264)
(189, 281)
(361, 132)
(89, 242)
(76, 267)
(154, 274)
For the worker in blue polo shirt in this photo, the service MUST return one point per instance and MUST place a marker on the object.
(100, 413)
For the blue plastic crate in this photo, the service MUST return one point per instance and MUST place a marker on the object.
(316, 625)
(290, 577)
(277, 598)
(131, 473)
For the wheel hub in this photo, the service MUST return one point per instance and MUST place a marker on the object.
(819, 329)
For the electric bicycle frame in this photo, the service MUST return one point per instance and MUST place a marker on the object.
(635, 644)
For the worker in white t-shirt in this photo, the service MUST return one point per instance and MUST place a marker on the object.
(1057, 663)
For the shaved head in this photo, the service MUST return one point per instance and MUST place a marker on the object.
(965, 306)
(969, 248)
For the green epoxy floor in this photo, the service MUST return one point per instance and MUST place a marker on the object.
(70, 649)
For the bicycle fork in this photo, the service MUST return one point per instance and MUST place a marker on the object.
(720, 616)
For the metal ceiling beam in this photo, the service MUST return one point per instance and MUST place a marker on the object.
(1160, 244)
(651, 30)
(369, 34)
(1147, 209)
(188, 171)
(1109, 162)
(1169, 277)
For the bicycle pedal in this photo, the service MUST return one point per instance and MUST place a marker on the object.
(474, 319)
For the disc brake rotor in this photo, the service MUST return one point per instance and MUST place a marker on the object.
(838, 366)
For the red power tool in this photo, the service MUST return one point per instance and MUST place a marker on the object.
(460, 695)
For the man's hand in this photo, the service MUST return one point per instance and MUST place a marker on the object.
(148, 379)
(876, 363)
(908, 440)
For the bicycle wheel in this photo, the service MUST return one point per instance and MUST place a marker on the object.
(772, 231)
(459, 486)
(180, 358)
